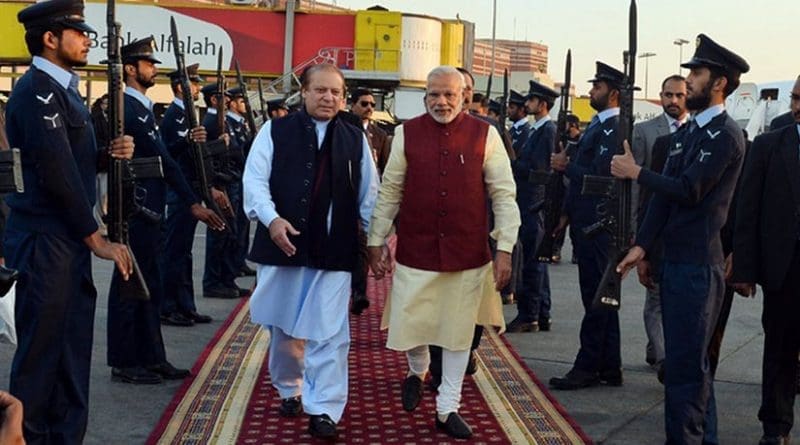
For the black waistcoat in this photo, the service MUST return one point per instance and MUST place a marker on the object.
(297, 169)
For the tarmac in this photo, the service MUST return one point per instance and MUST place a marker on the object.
(629, 415)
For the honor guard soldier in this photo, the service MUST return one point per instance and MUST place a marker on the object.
(135, 346)
(178, 306)
(518, 115)
(533, 296)
(241, 137)
(219, 273)
(494, 110)
(598, 359)
(687, 210)
(277, 108)
(51, 229)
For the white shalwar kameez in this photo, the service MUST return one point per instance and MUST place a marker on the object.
(305, 309)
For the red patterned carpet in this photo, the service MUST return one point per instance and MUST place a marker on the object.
(231, 400)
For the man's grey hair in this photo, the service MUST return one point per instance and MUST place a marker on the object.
(447, 71)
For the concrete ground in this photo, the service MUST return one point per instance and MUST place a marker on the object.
(628, 415)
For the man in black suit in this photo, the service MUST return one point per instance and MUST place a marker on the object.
(767, 252)
(781, 121)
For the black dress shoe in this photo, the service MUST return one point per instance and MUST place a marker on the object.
(136, 375)
(246, 271)
(322, 427)
(611, 377)
(575, 380)
(221, 292)
(455, 426)
(169, 372)
(291, 407)
(518, 325)
(544, 324)
(774, 440)
(411, 392)
(176, 319)
(197, 318)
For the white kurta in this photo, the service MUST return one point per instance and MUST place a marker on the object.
(303, 302)
(441, 308)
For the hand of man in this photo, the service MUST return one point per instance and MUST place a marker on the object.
(279, 231)
(122, 147)
(118, 253)
(728, 267)
(559, 161)
(633, 257)
(227, 138)
(10, 420)
(745, 289)
(563, 222)
(502, 269)
(222, 201)
(624, 165)
(645, 273)
(208, 216)
(380, 260)
(198, 134)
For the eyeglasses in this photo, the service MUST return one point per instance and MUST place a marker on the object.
(366, 103)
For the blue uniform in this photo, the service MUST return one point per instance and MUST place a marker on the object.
(134, 328)
(219, 271)
(599, 336)
(519, 133)
(239, 132)
(47, 119)
(179, 224)
(688, 209)
(533, 297)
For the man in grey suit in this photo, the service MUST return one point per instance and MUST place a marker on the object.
(673, 100)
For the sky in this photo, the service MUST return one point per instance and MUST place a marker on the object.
(763, 32)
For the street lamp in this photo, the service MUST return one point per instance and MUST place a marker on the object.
(680, 42)
(646, 57)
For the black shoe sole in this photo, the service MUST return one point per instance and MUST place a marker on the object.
(125, 379)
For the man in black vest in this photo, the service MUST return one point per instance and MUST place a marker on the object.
(309, 181)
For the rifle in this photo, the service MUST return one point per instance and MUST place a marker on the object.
(251, 121)
(10, 182)
(123, 173)
(615, 208)
(261, 102)
(204, 155)
(220, 95)
(554, 181)
(504, 99)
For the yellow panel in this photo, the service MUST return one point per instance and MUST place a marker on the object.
(12, 45)
(582, 109)
(452, 43)
(377, 41)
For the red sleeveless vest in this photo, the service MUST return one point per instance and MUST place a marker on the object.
(443, 221)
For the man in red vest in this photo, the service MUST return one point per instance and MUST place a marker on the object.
(441, 178)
